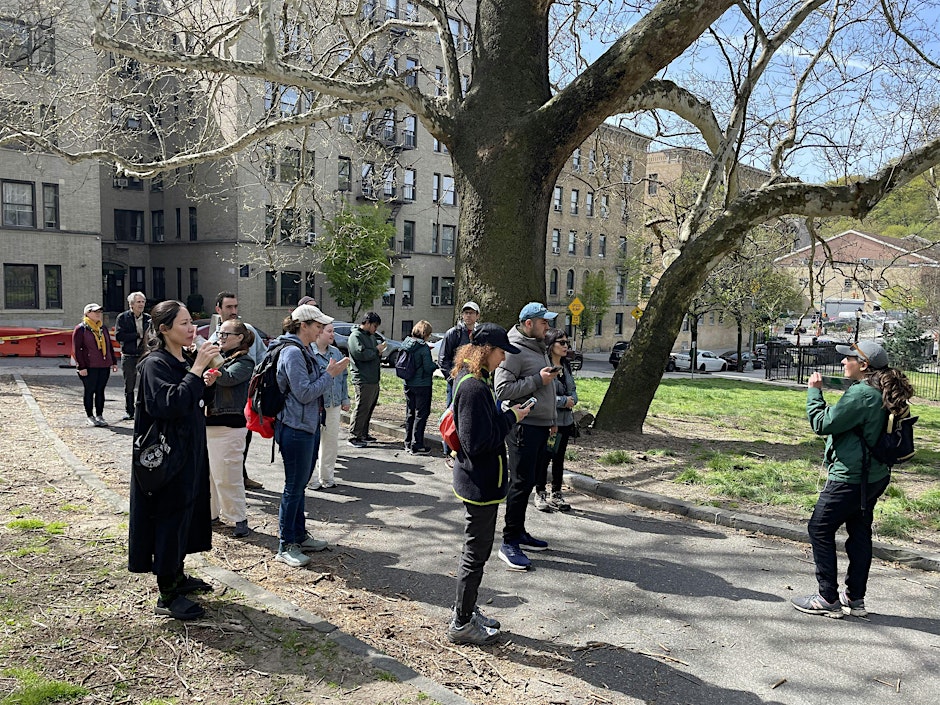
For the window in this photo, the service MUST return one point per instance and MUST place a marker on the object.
(128, 225)
(156, 183)
(556, 241)
(627, 171)
(408, 239)
(25, 46)
(408, 191)
(156, 226)
(599, 326)
(589, 204)
(605, 206)
(652, 186)
(388, 183)
(50, 206)
(602, 245)
(345, 124)
(21, 286)
(179, 225)
(159, 283)
(435, 291)
(284, 101)
(572, 242)
(576, 160)
(436, 189)
(344, 178)
(53, 274)
(244, 271)
(622, 246)
(448, 238)
(19, 204)
(193, 223)
(574, 201)
(290, 165)
(618, 323)
(270, 288)
(553, 283)
(440, 146)
(411, 72)
(407, 291)
(646, 287)
(441, 80)
(310, 285)
(179, 283)
(138, 279)
(848, 283)
(620, 289)
(447, 291)
(556, 199)
(194, 280)
(366, 172)
(410, 131)
(435, 238)
(592, 161)
(606, 165)
(448, 195)
(569, 281)
(588, 243)
(290, 288)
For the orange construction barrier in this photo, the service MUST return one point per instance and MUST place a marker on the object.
(55, 342)
(18, 342)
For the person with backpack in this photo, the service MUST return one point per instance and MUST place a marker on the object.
(856, 479)
(481, 478)
(416, 367)
(297, 428)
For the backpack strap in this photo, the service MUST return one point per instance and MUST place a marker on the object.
(866, 465)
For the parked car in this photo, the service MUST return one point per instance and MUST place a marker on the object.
(341, 331)
(575, 359)
(731, 357)
(616, 352)
(706, 361)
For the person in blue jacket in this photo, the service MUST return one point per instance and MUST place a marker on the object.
(852, 426)
(481, 477)
(418, 389)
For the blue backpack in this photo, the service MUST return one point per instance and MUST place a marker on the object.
(406, 366)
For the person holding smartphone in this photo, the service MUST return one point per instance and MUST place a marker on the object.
(566, 396)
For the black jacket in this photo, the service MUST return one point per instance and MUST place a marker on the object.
(125, 330)
(453, 339)
(174, 521)
(481, 474)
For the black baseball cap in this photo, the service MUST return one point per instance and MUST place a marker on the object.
(492, 334)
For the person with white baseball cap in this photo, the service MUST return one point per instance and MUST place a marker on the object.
(454, 338)
(94, 357)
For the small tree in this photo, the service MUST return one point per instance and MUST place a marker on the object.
(906, 346)
(595, 295)
(356, 256)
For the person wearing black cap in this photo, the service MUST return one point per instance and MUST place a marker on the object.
(454, 338)
(480, 473)
(852, 426)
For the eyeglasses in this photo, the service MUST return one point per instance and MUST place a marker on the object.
(224, 336)
(562, 342)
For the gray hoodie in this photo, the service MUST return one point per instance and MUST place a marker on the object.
(518, 378)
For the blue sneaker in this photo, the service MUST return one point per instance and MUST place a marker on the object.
(512, 555)
(530, 543)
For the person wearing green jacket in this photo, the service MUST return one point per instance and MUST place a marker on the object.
(858, 418)
(418, 389)
(366, 356)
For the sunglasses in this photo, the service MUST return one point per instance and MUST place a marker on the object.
(562, 342)
(862, 355)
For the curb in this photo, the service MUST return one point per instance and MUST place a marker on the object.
(258, 595)
(711, 515)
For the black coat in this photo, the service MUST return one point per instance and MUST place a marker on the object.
(481, 473)
(174, 521)
(125, 331)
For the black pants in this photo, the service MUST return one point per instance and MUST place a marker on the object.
(478, 543)
(840, 503)
(556, 460)
(416, 417)
(94, 383)
(527, 452)
(129, 369)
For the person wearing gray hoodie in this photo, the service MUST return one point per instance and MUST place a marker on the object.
(524, 375)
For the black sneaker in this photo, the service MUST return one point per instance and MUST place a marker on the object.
(530, 543)
(180, 607)
(370, 438)
(471, 633)
(357, 443)
(854, 608)
(422, 450)
(817, 604)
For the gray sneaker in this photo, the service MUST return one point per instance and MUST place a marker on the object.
(557, 501)
(99, 421)
(854, 608)
(541, 502)
(478, 617)
(293, 556)
(471, 633)
(312, 544)
(817, 604)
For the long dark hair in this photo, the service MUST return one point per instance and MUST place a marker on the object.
(164, 313)
(551, 336)
(896, 390)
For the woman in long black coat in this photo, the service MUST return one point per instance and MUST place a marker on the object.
(173, 521)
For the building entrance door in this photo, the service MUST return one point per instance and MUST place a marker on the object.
(114, 277)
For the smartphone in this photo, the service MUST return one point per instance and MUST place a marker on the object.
(529, 402)
(556, 368)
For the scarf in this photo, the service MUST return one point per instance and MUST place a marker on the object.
(95, 327)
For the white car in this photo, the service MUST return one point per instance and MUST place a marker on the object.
(707, 361)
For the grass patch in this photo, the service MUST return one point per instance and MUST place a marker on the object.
(386, 676)
(33, 524)
(616, 457)
(571, 454)
(33, 689)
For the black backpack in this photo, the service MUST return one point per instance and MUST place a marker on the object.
(406, 366)
(264, 394)
(896, 444)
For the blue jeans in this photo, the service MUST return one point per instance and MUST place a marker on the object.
(297, 451)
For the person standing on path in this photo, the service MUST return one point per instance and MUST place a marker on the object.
(521, 376)
(480, 480)
(365, 356)
(566, 396)
(166, 525)
(130, 330)
(226, 306)
(94, 357)
(852, 426)
(454, 338)
(335, 401)
(419, 388)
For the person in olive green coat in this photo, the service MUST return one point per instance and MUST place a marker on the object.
(365, 355)
(858, 418)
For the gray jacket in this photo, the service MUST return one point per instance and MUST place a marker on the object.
(304, 389)
(518, 378)
(230, 391)
(564, 387)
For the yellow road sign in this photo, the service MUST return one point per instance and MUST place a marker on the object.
(576, 307)
(575, 319)
(637, 313)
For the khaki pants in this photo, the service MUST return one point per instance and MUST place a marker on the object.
(329, 438)
(367, 396)
(226, 486)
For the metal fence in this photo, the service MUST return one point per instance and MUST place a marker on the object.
(797, 363)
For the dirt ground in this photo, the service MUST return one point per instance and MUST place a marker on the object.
(72, 612)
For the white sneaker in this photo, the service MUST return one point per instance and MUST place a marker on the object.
(99, 421)
(292, 556)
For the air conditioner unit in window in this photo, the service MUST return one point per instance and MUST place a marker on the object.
(435, 300)
(311, 237)
(556, 250)
(570, 292)
(346, 127)
(120, 183)
(557, 208)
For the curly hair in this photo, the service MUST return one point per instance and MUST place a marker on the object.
(471, 358)
(896, 390)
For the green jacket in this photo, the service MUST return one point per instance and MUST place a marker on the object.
(860, 407)
(364, 357)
